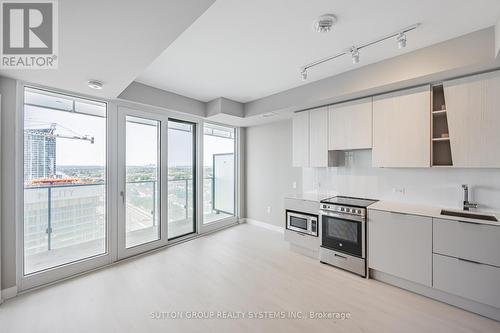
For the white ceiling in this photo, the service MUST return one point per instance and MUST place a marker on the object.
(112, 41)
(245, 50)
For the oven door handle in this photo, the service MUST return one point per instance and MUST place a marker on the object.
(343, 216)
(340, 256)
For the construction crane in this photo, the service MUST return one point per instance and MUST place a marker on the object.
(53, 126)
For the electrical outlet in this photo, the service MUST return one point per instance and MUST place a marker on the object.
(294, 185)
(269, 209)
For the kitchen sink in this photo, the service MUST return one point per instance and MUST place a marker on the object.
(469, 215)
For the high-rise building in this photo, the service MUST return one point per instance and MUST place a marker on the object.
(39, 154)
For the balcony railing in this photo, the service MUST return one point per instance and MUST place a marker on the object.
(58, 216)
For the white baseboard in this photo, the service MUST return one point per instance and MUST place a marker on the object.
(9, 293)
(263, 225)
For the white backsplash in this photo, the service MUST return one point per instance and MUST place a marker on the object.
(428, 186)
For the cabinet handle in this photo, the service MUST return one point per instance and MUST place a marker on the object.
(338, 255)
(471, 261)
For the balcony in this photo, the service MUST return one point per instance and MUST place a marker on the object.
(65, 223)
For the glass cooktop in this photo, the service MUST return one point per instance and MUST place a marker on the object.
(349, 201)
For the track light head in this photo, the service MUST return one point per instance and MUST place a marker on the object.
(303, 74)
(354, 55)
(401, 40)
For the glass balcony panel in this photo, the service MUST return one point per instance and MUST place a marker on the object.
(63, 224)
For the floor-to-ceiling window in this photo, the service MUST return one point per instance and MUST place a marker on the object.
(181, 178)
(75, 219)
(64, 179)
(219, 172)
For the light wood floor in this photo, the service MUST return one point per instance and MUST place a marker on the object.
(244, 268)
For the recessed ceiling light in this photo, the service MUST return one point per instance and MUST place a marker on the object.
(324, 23)
(94, 84)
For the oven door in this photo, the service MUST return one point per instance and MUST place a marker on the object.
(344, 233)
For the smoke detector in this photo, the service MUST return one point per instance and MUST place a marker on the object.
(324, 23)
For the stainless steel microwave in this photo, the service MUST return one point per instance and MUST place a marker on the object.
(302, 222)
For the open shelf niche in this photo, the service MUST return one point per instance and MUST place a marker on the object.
(441, 149)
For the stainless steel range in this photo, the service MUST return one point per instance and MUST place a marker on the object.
(343, 241)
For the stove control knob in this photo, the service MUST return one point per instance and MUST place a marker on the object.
(359, 211)
(347, 210)
(341, 209)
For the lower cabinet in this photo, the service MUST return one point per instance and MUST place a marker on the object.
(472, 280)
(457, 261)
(466, 260)
(401, 245)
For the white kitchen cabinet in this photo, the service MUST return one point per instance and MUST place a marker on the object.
(350, 125)
(468, 279)
(310, 138)
(400, 245)
(318, 137)
(473, 110)
(471, 241)
(401, 128)
(300, 139)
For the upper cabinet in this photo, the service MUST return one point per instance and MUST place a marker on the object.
(454, 124)
(318, 137)
(473, 112)
(401, 128)
(350, 125)
(300, 139)
(310, 138)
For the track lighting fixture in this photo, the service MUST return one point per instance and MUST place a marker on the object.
(354, 55)
(303, 74)
(354, 50)
(401, 40)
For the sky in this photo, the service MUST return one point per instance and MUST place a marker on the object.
(141, 143)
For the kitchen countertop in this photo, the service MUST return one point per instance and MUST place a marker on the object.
(430, 211)
(309, 196)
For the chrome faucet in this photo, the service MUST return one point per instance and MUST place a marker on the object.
(467, 204)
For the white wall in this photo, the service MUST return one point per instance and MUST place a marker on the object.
(269, 171)
(431, 186)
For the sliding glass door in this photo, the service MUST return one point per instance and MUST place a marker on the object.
(157, 180)
(142, 175)
(141, 157)
(181, 178)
